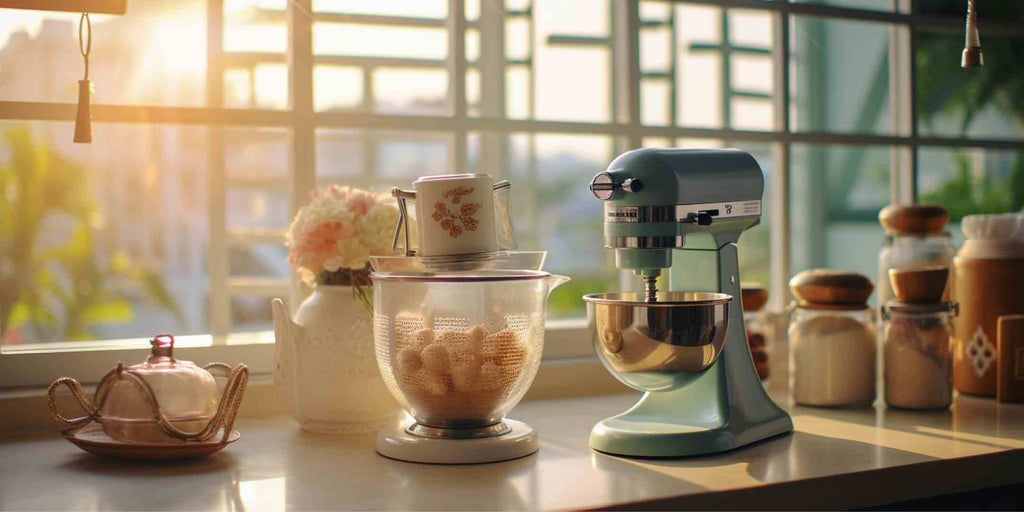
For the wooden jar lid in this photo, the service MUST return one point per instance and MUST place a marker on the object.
(753, 296)
(831, 289)
(916, 219)
(922, 285)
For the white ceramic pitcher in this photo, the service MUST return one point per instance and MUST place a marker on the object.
(325, 368)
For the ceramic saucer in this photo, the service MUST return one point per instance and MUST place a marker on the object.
(92, 439)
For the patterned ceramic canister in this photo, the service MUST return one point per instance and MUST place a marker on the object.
(989, 279)
(455, 214)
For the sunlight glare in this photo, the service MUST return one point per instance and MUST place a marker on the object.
(176, 48)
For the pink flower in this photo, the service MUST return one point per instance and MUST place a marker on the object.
(360, 202)
(339, 193)
(318, 242)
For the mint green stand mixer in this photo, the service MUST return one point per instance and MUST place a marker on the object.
(680, 212)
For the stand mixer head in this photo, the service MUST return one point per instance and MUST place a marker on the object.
(680, 210)
(655, 198)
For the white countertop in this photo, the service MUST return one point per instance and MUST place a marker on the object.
(834, 459)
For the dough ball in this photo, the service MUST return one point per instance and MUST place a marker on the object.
(510, 374)
(490, 376)
(465, 375)
(477, 335)
(436, 358)
(424, 337)
(495, 343)
(509, 352)
(433, 384)
(495, 324)
(463, 351)
(409, 360)
(451, 338)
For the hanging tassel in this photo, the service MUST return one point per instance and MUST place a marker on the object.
(83, 120)
(971, 56)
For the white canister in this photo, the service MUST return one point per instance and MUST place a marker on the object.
(455, 214)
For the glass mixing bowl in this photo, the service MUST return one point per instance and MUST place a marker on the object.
(458, 350)
(659, 345)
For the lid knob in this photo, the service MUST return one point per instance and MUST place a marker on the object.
(163, 346)
(924, 285)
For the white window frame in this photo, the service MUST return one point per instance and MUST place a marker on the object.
(37, 364)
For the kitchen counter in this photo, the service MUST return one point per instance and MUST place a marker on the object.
(834, 459)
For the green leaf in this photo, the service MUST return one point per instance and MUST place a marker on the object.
(108, 312)
(80, 247)
(20, 314)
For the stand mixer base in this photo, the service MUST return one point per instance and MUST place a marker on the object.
(519, 441)
(695, 420)
(638, 438)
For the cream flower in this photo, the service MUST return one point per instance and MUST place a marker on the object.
(349, 254)
(340, 229)
(377, 228)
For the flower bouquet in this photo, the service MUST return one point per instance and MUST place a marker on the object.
(331, 239)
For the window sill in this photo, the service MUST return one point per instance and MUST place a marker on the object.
(37, 365)
(25, 409)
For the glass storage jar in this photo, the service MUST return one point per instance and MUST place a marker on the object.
(832, 339)
(918, 359)
(915, 237)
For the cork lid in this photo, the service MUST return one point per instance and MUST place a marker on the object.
(831, 289)
(753, 295)
(914, 219)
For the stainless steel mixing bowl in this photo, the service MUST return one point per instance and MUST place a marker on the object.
(660, 345)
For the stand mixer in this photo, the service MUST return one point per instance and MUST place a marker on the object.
(680, 212)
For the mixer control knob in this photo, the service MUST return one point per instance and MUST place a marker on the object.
(604, 187)
(632, 185)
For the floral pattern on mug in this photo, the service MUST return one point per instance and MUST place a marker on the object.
(455, 222)
(456, 193)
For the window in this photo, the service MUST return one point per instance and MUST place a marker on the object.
(214, 118)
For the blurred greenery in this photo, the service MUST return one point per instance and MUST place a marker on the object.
(966, 194)
(943, 87)
(566, 300)
(59, 291)
(946, 89)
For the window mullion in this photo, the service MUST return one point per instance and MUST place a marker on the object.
(901, 100)
(493, 145)
(626, 69)
(219, 298)
(300, 86)
(457, 78)
(779, 224)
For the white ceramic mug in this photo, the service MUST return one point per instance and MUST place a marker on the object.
(455, 214)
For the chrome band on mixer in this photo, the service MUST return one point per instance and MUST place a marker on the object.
(679, 212)
(643, 242)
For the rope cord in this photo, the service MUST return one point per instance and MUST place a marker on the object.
(85, 42)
